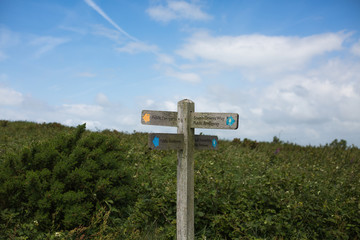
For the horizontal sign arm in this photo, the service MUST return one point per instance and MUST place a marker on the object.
(169, 141)
(215, 120)
(166, 141)
(162, 118)
(198, 119)
(206, 142)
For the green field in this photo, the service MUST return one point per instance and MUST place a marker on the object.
(58, 182)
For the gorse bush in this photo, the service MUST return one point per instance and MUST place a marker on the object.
(60, 184)
(76, 184)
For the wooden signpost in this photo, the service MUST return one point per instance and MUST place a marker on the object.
(185, 141)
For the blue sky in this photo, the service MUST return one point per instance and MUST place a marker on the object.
(290, 69)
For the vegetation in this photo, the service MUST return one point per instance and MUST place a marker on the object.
(58, 182)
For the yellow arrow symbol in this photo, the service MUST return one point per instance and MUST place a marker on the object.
(146, 117)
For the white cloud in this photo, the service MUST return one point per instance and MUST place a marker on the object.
(271, 53)
(136, 47)
(165, 59)
(305, 108)
(184, 76)
(338, 69)
(10, 97)
(170, 106)
(82, 110)
(356, 48)
(311, 106)
(127, 120)
(161, 13)
(102, 99)
(149, 102)
(90, 124)
(47, 43)
(175, 10)
(313, 97)
(297, 101)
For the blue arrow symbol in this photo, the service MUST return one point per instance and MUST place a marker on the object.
(214, 143)
(156, 141)
(230, 121)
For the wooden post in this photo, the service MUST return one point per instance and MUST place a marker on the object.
(185, 173)
(186, 119)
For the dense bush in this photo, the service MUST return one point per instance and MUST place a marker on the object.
(109, 185)
(61, 183)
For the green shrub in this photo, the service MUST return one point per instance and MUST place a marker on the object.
(109, 185)
(61, 183)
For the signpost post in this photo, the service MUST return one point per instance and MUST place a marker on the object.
(185, 141)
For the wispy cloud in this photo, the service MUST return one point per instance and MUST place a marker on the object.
(165, 59)
(175, 10)
(135, 47)
(111, 34)
(81, 31)
(93, 5)
(7, 39)
(46, 44)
